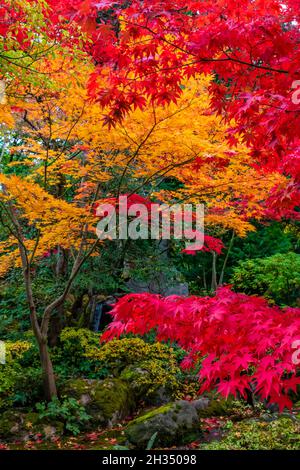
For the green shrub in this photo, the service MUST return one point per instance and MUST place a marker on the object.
(70, 357)
(282, 433)
(276, 277)
(147, 366)
(19, 383)
(79, 354)
(77, 342)
(8, 375)
(69, 411)
(119, 353)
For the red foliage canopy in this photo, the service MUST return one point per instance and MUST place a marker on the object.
(210, 243)
(246, 344)
(251, 48)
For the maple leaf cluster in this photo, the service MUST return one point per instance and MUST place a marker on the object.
(252, 47)
(243, 343)
(210, 244)
(146, 50)
(20, 18)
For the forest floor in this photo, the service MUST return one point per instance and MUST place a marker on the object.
(214, 430)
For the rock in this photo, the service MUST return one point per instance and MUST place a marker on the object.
(181, 289)
(174, 423)
(158, 285)
(54, 429)
(140, 382)
(17, 424)
(81, 389)
(107, 401)
(161, 396)
(217, 407)
(11, 423)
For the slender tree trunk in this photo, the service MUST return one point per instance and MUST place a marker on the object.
(48, 373)
(41, 330)
(204, 279)
(214, 283)
(226, 259)
(62, 262)
(46, 364)
(56, 325)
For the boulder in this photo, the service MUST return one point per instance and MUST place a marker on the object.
(11, 423)
(15, 424)
(221, 407)
(174, 423)
(107, 401)
(141, 384)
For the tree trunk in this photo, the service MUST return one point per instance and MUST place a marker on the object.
(41, 331)
(56, 325)
(48, 373)
(61, 262)
(214, 283)
(226, 259)
(204, 279)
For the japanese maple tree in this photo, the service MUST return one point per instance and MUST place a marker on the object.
(243, 343)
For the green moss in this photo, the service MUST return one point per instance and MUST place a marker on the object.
(10, 423)
(76, 388)
(106, 399)
(221, 407)
(152, 413)
(112, 396)
(31, 419)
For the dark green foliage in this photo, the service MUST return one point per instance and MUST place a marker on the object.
(21, 376)
(14, 312)
(267, 240)
(69, 411)
(70, 356)
(276, 277)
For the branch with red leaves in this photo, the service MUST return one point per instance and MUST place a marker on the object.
(244, 343)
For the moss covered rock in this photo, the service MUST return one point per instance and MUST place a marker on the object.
(152, 385)
(222, 407)
(15, 424)
(11, 423)
(81, 389)
(107, 401)
(174, 423)
(257, 434)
